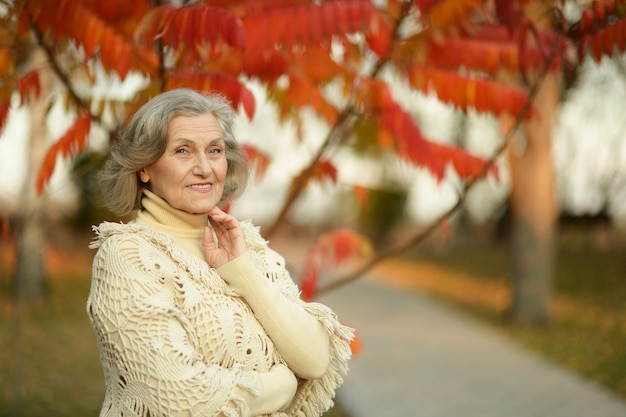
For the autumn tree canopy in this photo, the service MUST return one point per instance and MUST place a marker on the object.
(458, 50)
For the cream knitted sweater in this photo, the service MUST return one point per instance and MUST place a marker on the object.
(178, 338)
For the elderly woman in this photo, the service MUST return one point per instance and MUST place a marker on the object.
(194, 314)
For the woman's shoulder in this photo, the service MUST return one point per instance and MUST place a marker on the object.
(115, 234)
(127, 246)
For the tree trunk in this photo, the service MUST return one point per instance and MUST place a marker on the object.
(30, 228)
(533, 203)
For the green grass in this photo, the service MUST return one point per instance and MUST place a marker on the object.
(49, 359)
(588, 329)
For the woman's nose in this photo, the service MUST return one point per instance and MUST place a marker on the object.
(202, 167)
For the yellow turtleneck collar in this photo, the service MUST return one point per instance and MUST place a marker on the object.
(186, 228)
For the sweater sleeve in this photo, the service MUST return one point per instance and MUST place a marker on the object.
(299, 337)
(313, 396)
(147, 347)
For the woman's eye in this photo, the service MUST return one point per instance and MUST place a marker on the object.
(180, 150)
(216, 150)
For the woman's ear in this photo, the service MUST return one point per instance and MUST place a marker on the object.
(143, 176)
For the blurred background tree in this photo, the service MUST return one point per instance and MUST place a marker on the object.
(348, 62)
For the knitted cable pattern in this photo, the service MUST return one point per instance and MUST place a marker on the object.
(175, 340)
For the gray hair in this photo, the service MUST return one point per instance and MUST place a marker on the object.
(144, 141)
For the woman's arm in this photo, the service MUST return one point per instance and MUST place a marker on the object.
(299, 337)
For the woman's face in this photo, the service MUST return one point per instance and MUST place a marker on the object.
(190, 174)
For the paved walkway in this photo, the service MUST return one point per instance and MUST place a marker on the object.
(422, 358)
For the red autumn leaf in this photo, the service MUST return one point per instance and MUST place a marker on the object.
(425, 5)
(308, 282)
(72, 142)
(206, 82)
(599, 10)
(6, 63)
(324, 170)
(70, 19)
(376, 101)
(268, 65)
(609, 40)
(475, 54)
(115, 53)
(379, 36)
(600, 29)
(317, 64)
(303, 93)
(332, 249)
(29, 86)
(587, 20)
(4, 112)
(193, 25)
(307, 25)
(466, 165)
(321, 171)
(408, 140)
(258, 159)
(620, 34)
(491, 56)
(356, 344)
(118, 11)
(466, 92)
(450, 12)
(246, 8)
(596, 45)
(95, 29)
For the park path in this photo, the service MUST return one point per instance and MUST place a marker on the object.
(421, 357)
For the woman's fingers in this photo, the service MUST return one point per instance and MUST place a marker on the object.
(229, 235)
(207, 240)
(220, 218)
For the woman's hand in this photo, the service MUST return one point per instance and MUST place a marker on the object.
(230, 240)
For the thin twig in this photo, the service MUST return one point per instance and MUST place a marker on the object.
(65, 79)
(343, 124)
(467, 186)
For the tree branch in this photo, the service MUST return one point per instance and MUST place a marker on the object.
(467, 186)
(62, 75)
(344, 123)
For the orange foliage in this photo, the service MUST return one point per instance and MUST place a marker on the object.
(332, 249)
(6, 63)
(4, 112)
(258, 159)
(468, 93)
(206, 82)
(297, 47)
(193, 27)
(448, 12)
(28, 86)
(71, 20)
(72, 142)
(409, 143)
(303, 92)
(356, 344)
(309, 24)
(601, 29)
